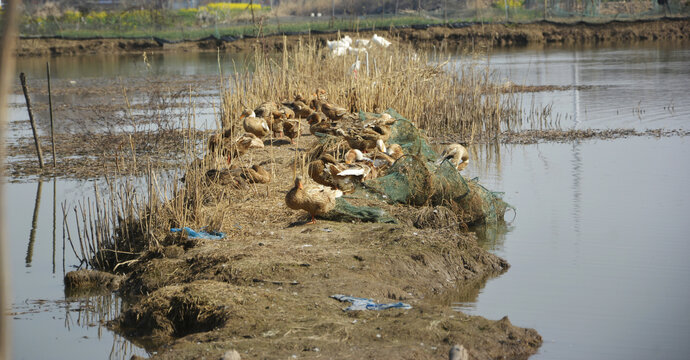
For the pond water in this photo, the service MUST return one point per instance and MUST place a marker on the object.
(600, 242)
(46, 321)
(639, 87)
(597, 247)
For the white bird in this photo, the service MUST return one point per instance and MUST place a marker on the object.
(339, 50)
(380, 41)
(362, 42)
(356, 50)
(336, 43)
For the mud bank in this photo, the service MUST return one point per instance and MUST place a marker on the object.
(455, 36)
(265, 292)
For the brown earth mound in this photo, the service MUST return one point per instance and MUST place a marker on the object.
(268, 297)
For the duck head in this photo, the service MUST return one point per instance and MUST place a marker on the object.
(395, 151)
(247, 113)
(353, 155)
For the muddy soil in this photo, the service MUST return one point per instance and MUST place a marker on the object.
(265, 292)
(461, 36)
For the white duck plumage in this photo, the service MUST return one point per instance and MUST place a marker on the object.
(380, 41)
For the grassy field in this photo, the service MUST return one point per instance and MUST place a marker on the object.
(223, 19)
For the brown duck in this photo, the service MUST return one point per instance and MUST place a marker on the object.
(395, 151)
(255, 174)
(225, 177)
(346, 176)
(292, 129)
(319, 123)
(254, 125)
(363, 139)
(317, 170)
(456, 154)
(331, 111)
(223, 143)
(314, 200)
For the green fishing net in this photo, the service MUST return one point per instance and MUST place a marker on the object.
(416, 179)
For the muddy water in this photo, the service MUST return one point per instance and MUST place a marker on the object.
(597, 248)
(600, 243)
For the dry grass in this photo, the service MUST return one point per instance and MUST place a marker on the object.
(441, 97)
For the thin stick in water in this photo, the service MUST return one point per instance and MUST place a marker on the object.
(25, 88)
(50, 110)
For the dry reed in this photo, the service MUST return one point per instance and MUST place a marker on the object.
(441, 96)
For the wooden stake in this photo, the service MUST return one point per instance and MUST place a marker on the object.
(22, 78)
(50, 109)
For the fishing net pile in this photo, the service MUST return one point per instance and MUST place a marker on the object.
(418, 179)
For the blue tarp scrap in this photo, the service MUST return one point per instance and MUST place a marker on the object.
(212, 235)
(368, 304)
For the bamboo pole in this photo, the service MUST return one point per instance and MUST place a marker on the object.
(25, 88)
(7, 62)
(50, 109)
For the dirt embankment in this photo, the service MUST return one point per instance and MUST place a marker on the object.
(267, 296)
(458, 35)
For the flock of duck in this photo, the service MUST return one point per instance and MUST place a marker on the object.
(366, 155)
(345, 44)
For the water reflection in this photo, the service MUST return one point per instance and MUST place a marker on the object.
(42, 310)
(55, 219)
(577, 191)
(492, 236)
(34, 223)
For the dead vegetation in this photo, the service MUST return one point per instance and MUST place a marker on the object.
(536, 136)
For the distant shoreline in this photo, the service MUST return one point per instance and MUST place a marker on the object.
(457, 35)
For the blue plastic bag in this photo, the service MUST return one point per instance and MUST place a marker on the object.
(368, 304)
(199, 234)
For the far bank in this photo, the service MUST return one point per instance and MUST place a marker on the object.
(450, 36)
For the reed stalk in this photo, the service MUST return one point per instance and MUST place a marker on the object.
(443, 97)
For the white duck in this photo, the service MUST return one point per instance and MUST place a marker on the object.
(456, 154)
